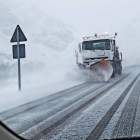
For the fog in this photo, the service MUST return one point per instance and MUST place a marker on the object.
(53, 30)
(92, 16)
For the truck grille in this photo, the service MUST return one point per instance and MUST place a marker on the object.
(96, 58)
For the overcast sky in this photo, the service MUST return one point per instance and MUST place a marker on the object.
(90, 16)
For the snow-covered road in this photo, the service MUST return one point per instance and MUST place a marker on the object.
(86, 111)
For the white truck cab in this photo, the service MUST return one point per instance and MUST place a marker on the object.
(95, 48)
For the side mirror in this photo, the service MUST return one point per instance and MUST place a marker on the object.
(79, 47)
(113, 45)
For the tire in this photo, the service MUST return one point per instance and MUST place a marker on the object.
(120, 72)
(114, 68)
(114, 73)
(120, 68)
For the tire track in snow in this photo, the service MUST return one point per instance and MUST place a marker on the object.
(124, 127)
(34, 120)
(34, 104)
(136, 127)
(97, 131)
(37, 135)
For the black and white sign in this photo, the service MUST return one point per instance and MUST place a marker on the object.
(19, 49)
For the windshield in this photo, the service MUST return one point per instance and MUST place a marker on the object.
(56, 86)
(97, 45)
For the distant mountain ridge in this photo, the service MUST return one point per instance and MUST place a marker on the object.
(41, 29)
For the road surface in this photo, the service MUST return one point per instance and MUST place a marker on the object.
(87, 111)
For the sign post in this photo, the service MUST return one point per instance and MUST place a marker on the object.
(19, 75)
(18, 36)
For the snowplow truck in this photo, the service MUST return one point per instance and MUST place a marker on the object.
(100, 56)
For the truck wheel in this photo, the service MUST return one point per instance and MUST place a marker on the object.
(114, 67)
(120, 73)
(120, 69)
(113, 74)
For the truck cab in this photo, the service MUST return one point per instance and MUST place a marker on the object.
(95, 48)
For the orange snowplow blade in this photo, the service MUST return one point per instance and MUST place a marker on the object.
(102, 71)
